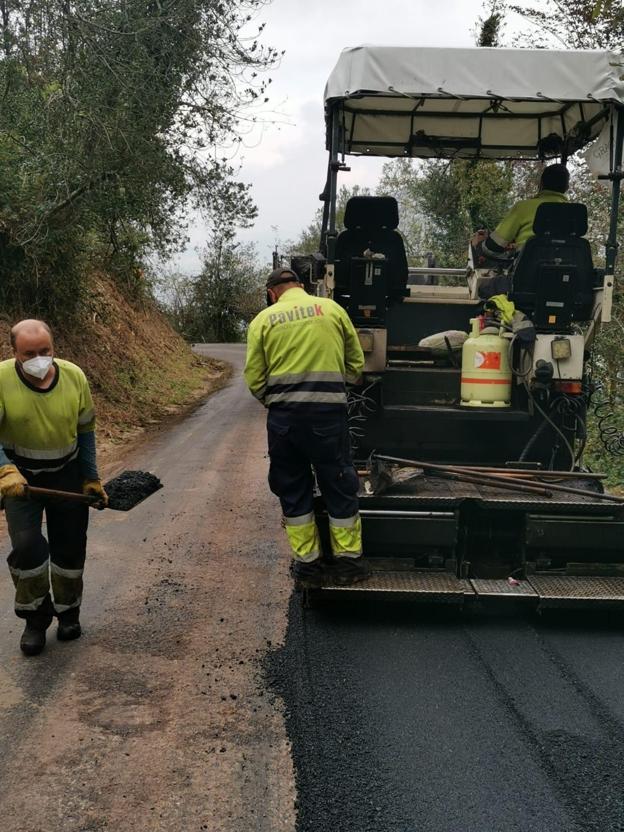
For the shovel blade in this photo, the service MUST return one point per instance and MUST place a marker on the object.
(128, 489)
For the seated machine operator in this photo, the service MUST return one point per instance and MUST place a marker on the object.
(516, 228)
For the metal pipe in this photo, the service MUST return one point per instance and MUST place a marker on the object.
(500, 481)
(494, 482)
(325, 220)
(332, 181)
(537, 472)
(611, 246)
(472, 477)
(527, 472)
(564, 489)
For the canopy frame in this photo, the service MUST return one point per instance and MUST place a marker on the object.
(340, 144)
(615, 176)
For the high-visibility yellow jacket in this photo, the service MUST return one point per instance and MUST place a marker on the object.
(517, 226)
(301, 351)
(39, 428)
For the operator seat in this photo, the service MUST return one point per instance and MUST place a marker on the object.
(370, 223)
(554, 277)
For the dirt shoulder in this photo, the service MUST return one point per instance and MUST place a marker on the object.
(143, 375)
(122, 438)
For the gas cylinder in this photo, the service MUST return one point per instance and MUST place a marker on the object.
(486, 374)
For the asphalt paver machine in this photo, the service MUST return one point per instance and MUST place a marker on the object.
(465, 495)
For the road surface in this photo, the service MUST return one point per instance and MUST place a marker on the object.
(404, 720)
(158, 720)
(203, 697)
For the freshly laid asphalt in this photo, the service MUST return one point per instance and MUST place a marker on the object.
(405, 719)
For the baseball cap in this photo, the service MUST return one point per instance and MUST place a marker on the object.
(282, 275)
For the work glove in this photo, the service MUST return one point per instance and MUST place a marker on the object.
(11, 482)
(479, 236)
(94, 488)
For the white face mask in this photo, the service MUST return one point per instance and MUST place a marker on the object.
(38, 366)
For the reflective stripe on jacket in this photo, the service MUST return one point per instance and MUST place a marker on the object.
(301, 351)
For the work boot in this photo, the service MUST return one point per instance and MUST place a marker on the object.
(309, 575)
(33, 638)
(346, 571)
(69, 625)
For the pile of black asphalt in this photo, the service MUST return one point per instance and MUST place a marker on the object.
(423, 719)
(130, 488)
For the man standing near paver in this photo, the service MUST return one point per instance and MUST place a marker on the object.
(301, 352)
(47, 438)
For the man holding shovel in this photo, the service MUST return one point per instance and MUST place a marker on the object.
(47, 439)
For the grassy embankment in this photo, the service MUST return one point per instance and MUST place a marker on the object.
(141, 372)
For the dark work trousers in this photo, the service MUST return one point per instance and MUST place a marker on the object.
(300, 442)
(38, 565)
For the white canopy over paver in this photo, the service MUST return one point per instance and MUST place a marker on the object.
(488, 103)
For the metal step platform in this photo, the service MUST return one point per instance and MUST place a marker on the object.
(502, 587)
(577, 590)
(438, 585)
(545, 591)
(428, 585)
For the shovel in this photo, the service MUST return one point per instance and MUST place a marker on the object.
(125, 491)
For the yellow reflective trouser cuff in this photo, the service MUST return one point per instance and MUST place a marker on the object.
(66, 587)
(31, 586)
(346, 536)
(303, 537)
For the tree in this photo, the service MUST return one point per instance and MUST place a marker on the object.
(218, 304)
(174, 292)
(309, 239)
(398, 179)
(573, 24)
(489, 31)
(114, 116)
(442, 202)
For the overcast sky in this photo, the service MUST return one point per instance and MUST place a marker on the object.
(286, 165)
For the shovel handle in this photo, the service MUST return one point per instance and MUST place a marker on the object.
(90, 499)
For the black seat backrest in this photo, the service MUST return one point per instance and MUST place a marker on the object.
(553, 278)
(371, 223)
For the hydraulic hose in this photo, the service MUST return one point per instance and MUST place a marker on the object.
(532, 440)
